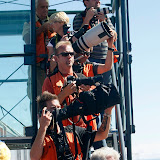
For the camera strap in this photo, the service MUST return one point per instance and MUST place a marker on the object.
(67, 153)
(88, 138)
(75, 141)
(61, 143)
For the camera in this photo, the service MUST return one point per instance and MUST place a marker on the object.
(85, 80)
(88, 38)
(81, 31)
(92, 37)
(77, 34)
(102, 10)
(91, 102)
(65, 28)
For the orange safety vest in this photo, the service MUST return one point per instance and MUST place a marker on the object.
(49, 148)
(40, 43)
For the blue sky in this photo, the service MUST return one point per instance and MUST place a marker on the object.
(144, 35)
(144, 29)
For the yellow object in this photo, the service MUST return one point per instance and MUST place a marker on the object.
(5, 153)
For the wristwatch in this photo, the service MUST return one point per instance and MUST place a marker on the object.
(110, 49)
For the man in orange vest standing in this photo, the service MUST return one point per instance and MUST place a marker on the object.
(43, 34)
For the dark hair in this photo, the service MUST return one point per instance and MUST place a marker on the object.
(84, 3)
(43, 98)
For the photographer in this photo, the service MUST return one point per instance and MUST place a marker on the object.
(45, 144)
(57, 84)
(57, 21)
(91, 17)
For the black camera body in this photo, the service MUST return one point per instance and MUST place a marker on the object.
(65, 28)
(85, 80)
(89, 102)
(77, 34)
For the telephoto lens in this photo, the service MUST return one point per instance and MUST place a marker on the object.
(92, 37)
(102, 10)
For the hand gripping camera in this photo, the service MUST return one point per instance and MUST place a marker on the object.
(102, 10)
(92, 37)
(91, 102)
(77, 34)
(85, 80)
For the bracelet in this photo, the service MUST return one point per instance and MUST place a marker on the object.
(107, 115)
(110, 49)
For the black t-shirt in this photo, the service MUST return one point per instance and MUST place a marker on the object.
(82, 133)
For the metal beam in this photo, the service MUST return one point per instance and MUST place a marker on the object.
(11, 22)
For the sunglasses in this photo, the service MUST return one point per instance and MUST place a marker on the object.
(65, 54)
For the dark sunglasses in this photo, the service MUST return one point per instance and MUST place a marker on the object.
(65, 54)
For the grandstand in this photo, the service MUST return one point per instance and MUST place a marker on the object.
(16, 123)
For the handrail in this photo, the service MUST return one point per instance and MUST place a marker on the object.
(8, 112)
(119, 120)
(13, 73)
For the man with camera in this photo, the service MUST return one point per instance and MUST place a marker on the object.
(57, 82)
(55, 142)
(92, 16)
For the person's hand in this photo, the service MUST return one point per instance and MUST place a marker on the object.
(85, 87)
(74, 39)
(45, 118)
(100, 16)
(111, 39)
(69, 89)
(64, 38)
(83, 57)
(114, 35)
(46, 27)
(90, 13)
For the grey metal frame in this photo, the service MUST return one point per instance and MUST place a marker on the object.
(30, 51)
(123, 69)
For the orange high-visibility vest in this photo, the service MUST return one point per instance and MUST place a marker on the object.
(40, 43)
(49, 148)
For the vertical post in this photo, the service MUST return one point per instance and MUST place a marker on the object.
(119, 120)
(126, 79)
(34, 77)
